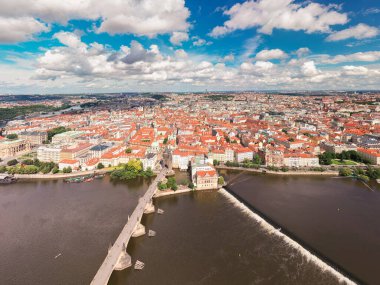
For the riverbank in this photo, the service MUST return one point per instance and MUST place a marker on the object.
(290, 172)
(62, 175)
(181, 190)
(162, 193)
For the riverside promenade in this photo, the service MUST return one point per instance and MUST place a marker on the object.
(290, 172)
(117, 257)
(62, 175)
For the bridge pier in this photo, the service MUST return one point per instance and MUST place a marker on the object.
(139, 230)
(124, 261)
(149, 208)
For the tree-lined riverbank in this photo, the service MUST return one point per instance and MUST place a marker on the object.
(290, 172)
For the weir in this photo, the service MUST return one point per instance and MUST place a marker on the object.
(289, 241)
(117, 257)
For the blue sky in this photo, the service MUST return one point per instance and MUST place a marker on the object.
(51, 46)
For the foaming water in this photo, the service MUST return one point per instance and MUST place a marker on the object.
(287, 240)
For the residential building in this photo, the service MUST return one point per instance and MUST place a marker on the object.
(35, 138)
(65, 163)
(300, 160)
(373, 155)
(66, 137)
(149, 161)
(49, 153)
(243, 153)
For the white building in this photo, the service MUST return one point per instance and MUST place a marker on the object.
(66, 137)
(300, 160)
(204, 177)
(243, 154)
(73, 163)
(149, 161)
(373, 155)
(49, 153)
(229, 155)
(180, 159)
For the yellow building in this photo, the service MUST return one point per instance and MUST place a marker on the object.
(9, 148)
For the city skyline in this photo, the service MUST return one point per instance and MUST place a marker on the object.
(179, 46)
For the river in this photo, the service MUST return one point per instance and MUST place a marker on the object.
(41, 219)
(202, 238)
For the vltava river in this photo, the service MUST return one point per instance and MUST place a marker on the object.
(202, 238)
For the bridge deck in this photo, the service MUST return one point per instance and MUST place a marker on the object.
(108, 265)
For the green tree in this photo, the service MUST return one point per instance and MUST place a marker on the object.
(326, 158)
(117, 174)
(134, 165)
(363, 177)
(216, 162)
(256, 159)
(221, 180)
(12, 162)
(67, 169)
(165, 140)
(28, 162)
(100, 166)
(46, 169)
(56, 131)
(373, 173)
(345, 171)
(12, 136)
(172, 184)
(284, 169)
(162, 186)
(55, 170)
(3, 169)
(128, 150)
(149, 172)
(36, 162)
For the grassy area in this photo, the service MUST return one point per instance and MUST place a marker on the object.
(344, 162)
(30, 155)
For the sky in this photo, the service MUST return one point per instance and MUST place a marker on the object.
(87, 46)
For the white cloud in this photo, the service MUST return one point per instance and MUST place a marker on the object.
(280, 14)
(264, 65)
(250, 46)
(69, 39)
(198, 42)
(355, 70)
(79, 67)
(143, 17)
(13, 30)
(301, 52)
(271, 54)
(178, 37)
(372, 10)
(258, 69)
(360, 31)
(180, 53)
(229, 58)
(309, 69)
(369, 56)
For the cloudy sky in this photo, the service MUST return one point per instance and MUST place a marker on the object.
(55, 46)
